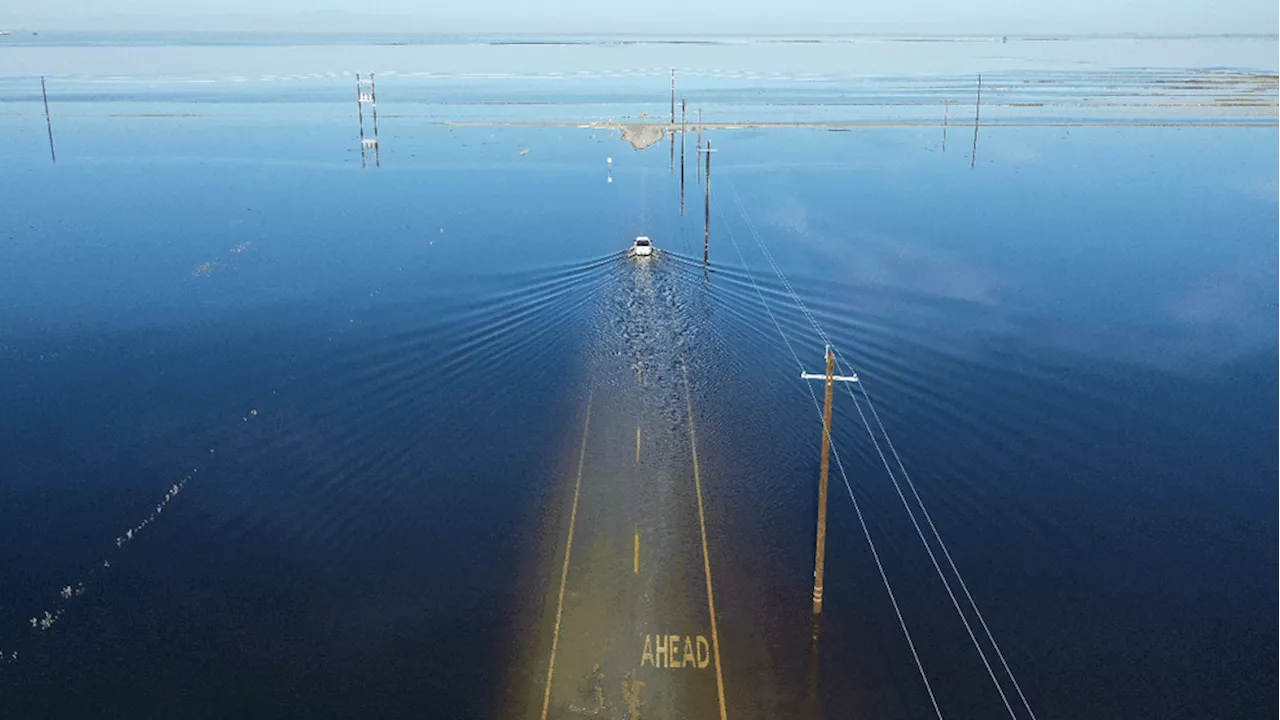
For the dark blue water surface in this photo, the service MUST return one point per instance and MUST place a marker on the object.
(373, 380)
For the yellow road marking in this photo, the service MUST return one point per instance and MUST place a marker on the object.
(635, 567)
(637, 443)
(702, 522)
(568, 548)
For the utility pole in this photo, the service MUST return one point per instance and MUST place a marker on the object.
(706, 222)
(820, 556)
(47, 122)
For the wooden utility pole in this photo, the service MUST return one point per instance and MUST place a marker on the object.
(820, 554)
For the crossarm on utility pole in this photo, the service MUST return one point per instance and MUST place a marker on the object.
(836, 378)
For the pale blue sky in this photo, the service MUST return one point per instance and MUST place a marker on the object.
(658, 16)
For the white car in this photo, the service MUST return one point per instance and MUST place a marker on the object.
(642, 248)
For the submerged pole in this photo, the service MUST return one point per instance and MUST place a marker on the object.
(977, 112)
(360, 110)
(377, 146)
(47, 121)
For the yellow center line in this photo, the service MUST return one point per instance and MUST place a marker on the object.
(568, 548)
(637, 443)
(635, 567)
(702, 522)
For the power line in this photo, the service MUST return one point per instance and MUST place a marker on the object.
(840, 465)
(928, 548)
(947, 553)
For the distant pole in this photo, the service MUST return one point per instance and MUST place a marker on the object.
(682, 144)
(820, 554)
(360, 109)
(377, 146)
(977, 111)
(673, 96)
(946, 106)
(47, 121)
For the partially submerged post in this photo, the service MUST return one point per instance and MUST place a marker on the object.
(706, 221)
(48, 123)
(977, 111)
(820, 554)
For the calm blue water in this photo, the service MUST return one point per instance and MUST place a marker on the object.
(374, 379)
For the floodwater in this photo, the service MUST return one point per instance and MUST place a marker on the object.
(285, 436)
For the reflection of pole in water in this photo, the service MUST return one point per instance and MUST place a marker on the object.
(47, 122)
(672, 122)
(946, 107)
(813, 701)
(682, 134)
(699, 144)
(360, 111)
(609, 162)
(706, 220)
(977, 111)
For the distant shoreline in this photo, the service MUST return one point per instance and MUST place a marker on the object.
(33, 36)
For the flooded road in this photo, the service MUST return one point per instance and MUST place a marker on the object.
(635, 629)
(286, 438)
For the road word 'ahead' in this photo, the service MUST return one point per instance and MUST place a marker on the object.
(668, 651)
